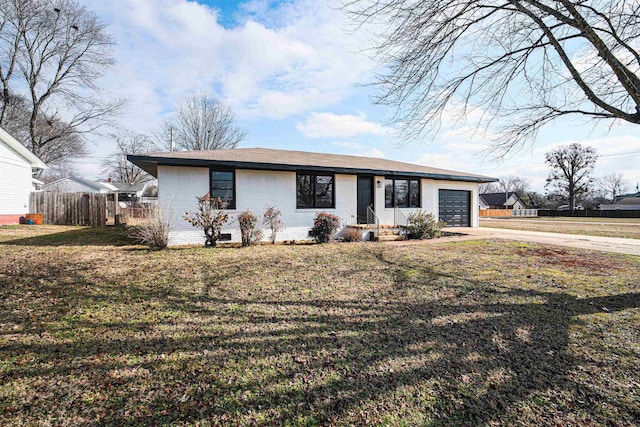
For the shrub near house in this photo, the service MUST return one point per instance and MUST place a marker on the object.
(247, 221)
(209, 217)
(325, 226)
(423, 225)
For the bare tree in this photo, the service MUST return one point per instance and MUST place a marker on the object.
(204, 122)
(119, 168)
(55, 50)
(57, 152)
(507, 184)
(571, 169)
(526, 62)
(613, 184)
(57, 172)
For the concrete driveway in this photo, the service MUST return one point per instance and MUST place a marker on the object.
(598, 243)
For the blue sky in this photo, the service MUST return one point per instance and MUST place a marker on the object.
(292, 74)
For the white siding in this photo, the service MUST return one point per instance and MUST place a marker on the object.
(15, 182)
(179, 186)
(429, 198)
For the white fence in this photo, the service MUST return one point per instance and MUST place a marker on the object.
(525, 212)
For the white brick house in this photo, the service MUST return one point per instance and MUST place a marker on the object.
(16, 178)
(301, 184)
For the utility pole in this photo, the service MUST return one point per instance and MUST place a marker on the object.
(171, 138)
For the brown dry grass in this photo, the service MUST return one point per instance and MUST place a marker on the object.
(97, 332)
(629, 229)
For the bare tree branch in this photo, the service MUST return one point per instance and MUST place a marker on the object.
(521, 63)
(119, 168)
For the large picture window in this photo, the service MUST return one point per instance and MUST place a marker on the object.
(314, 191)
(223, 186)
(401, 193)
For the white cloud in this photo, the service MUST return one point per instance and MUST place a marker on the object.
(329, 125)
(275, 63)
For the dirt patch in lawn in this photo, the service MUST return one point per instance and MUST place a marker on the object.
(563, 257)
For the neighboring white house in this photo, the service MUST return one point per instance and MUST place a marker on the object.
(74, 184)
(301, 184)
(17, 164)
(497, 201)
(143, 191)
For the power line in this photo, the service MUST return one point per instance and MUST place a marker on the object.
(544, 164)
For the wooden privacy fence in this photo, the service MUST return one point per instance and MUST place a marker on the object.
(495, 212)
(70, 208)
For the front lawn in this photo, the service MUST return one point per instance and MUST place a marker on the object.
(466, 333)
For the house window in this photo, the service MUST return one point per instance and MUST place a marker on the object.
(401, 193)
(314, 191)
(223, 185)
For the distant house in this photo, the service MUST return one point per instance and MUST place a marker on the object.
(627, 202)
(359, 190)
(125, 191)
(74, 184)
(509, 200)
(17, 165)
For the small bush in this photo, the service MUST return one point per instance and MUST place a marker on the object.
(271, 219)
(154, 229)
(210, 217)
(423, 225)
(250, 234)
(351, 234)
(324, 226)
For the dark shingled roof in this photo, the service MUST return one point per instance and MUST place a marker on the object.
(270, 159)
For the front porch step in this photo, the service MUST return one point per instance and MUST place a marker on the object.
(371, 227)
(387, 232)
(390, 237)
(390, 231)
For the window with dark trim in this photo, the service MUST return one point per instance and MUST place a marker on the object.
(401, 193)
(314, 191)
(222, 184)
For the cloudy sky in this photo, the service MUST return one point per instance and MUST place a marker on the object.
(294, 76)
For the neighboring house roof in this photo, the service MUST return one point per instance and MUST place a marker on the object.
(94, 185)
(629, 201)
(270, 159)
(123, 187)
(498, 199)
(624, 196)
(105, 187)
(12, 143)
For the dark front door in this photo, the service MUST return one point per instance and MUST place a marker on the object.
(455, 207)
(365, 197)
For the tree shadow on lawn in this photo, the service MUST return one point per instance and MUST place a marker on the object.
(371, 360)
(81, 236)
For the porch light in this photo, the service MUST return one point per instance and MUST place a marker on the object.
(379, 184)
